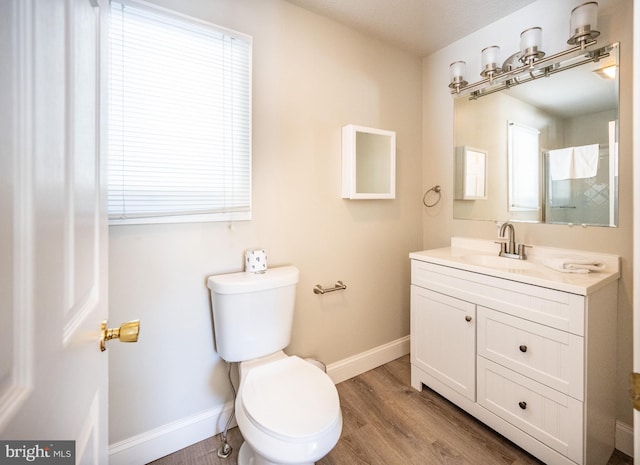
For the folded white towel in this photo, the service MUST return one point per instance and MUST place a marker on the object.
(574, 264)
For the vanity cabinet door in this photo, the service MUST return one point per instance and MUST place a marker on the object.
(443, 339)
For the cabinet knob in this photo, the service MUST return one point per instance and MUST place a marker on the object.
(523, 348)
(468, 318)
(522, 404)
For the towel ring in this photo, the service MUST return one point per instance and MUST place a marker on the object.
(435, 189)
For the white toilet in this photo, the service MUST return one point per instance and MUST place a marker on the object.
(287, 409)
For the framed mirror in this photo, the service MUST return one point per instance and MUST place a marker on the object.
(368, 163)
(551, 146)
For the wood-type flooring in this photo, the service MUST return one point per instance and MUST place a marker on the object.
(387, 422)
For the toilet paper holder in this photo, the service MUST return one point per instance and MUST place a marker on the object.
(339, 286)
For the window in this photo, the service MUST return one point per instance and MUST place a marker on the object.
(179, 138)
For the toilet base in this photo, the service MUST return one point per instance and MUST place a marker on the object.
(247, 456)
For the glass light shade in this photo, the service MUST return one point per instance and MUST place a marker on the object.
(584, 23)
(489, 61)
(530, 38)
(457, 70)
(530, 45)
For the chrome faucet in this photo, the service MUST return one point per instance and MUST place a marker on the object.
(508, 246)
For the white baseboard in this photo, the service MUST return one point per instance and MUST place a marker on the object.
(166, 439)
(624, 438)
(365, 361)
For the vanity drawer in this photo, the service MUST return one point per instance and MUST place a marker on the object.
(544, 413)
(547, 355)
(557, 309)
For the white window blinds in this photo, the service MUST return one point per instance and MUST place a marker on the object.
(179, 137)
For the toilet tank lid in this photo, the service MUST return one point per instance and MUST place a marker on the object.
(238, 283)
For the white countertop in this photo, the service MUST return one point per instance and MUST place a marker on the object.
(464, 253)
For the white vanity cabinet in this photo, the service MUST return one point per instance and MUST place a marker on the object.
(536, 364)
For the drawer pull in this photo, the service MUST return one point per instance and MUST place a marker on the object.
(522, 404)
(523, 348)
(468, 318)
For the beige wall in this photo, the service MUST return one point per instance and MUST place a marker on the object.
(615, 22)
(311, 76)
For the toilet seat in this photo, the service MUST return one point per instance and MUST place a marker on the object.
(290, 399)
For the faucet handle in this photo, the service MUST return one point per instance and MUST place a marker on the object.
(503, 241)
(521, 250)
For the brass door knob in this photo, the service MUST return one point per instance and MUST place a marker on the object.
(127, 332)
(634, 389)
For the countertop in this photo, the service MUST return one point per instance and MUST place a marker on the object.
(464, 253)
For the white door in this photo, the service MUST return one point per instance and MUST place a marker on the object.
(53, 234)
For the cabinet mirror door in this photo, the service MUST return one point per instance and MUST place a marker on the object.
(368, 163)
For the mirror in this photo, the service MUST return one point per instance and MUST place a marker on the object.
(368, 163)
(551, 148)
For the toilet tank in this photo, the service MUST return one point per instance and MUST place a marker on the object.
(253, 312)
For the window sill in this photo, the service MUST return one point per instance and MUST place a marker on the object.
(206, 218)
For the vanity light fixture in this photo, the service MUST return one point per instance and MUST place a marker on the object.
(489, 56)
(530, 62)
(456, 71)
(583, 24)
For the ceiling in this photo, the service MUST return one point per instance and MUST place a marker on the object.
(418, 26)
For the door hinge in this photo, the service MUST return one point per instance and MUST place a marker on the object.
(634, 389)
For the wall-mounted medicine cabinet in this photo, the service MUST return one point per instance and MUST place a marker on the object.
(471, 173)
(368, 163)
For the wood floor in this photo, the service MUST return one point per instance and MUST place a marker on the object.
(387, 422)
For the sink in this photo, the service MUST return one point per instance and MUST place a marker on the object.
(495, 261)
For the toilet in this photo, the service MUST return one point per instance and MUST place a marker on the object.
(287, 409)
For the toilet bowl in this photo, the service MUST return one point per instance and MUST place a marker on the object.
(288, 412)
(287, 409)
